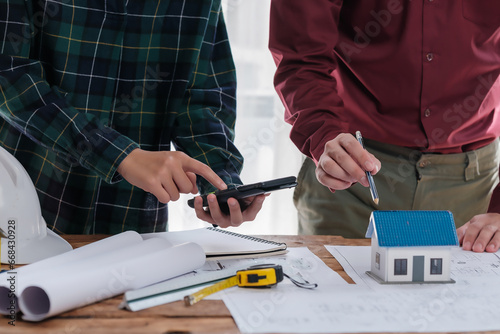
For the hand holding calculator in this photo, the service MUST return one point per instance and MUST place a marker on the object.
(244, 191)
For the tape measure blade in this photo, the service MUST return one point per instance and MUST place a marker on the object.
(211, 289)
(177, 283)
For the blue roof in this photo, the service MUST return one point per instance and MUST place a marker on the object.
(413, 228)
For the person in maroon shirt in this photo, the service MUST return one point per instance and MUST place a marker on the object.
(420, 80)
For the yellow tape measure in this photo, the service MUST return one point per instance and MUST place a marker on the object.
(258, 276)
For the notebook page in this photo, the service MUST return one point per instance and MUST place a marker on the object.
(216, 242)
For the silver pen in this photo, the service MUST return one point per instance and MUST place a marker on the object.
(373, 189)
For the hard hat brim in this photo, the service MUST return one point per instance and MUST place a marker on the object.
(38, 249)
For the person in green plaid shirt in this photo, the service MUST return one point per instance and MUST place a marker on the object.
(93, 92)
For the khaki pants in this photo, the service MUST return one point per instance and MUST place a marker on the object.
(408, 180)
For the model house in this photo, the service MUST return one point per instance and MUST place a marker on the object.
(411, 246)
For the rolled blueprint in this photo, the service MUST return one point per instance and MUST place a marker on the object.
(11, 285)
(66, 290)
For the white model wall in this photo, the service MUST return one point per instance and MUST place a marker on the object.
(382, 270)
(408, 253)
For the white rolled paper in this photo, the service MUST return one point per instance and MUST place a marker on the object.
(11, 286)
(73, 288)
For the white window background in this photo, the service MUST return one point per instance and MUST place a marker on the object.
(262, 135)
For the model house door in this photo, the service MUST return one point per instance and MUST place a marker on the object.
(418, 268)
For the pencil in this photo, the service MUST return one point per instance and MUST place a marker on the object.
(373, 189)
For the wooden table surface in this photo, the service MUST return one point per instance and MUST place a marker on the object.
(207, 316)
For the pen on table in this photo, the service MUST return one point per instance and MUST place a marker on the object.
(373, 189)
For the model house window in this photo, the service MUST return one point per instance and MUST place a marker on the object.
(377, 260)
(436, 266)
(400, 266)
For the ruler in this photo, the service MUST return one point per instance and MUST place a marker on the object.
(172, 289)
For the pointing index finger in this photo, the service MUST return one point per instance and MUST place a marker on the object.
(206, 172)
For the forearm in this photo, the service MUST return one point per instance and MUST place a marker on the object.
(33, 105)
(304, 55)
(205, 128)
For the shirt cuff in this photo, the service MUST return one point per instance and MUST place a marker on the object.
(230, 177)
(104, 152)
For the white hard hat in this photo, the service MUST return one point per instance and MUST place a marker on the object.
(26, 238)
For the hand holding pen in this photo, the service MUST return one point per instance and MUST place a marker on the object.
(371, 183)
(344, 162)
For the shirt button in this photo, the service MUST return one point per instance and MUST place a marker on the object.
(429, 56)
(427, 112)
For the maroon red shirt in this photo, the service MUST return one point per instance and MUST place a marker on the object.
(417, 73)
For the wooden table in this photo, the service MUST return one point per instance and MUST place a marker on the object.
(207, 316)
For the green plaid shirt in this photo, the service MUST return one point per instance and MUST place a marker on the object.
(84, 82)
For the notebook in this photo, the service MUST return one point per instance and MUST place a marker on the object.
(220, 243)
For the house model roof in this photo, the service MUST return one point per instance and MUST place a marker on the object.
(413, 228)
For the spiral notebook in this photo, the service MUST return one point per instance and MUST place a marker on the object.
(220, 243)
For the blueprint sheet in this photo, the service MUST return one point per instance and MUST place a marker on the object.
(472, 304)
